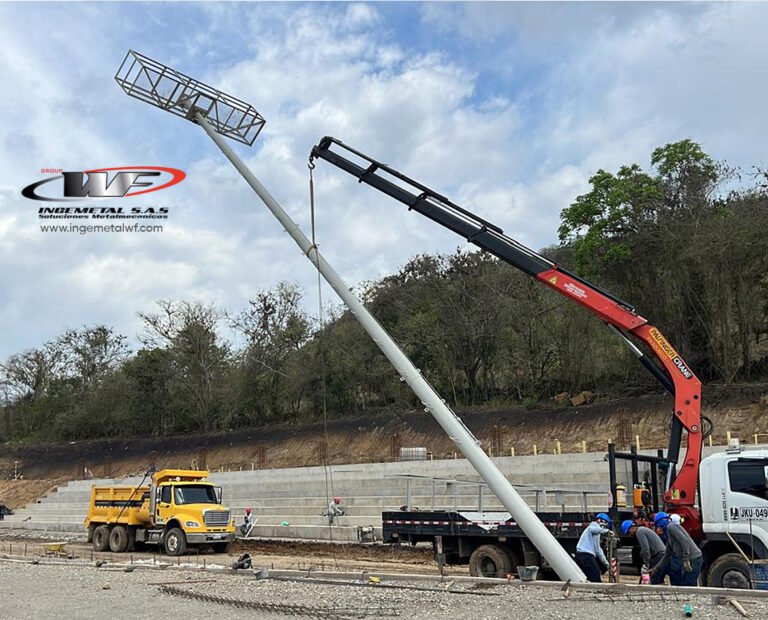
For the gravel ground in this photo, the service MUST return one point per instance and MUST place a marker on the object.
(290, 554)
(43, 591)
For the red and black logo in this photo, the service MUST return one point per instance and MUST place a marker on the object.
(123, 182)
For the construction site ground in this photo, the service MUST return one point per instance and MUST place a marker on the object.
(284, 554)
(80, 590)
(76, 591)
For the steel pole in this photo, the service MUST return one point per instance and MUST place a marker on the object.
(539, 535)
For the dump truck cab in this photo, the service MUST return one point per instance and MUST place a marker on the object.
(178, 509)
(185, 500)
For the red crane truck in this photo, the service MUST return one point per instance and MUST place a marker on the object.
(730, 521)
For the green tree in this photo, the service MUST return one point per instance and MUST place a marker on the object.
(188, 331)
(275, 327)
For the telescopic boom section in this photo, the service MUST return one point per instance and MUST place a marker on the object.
(677, 378)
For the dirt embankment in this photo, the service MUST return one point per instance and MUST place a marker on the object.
(376, 437)
(18, 493)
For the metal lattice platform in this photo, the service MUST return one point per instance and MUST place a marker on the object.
(170, 90)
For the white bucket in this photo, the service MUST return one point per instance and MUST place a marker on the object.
(527, 573)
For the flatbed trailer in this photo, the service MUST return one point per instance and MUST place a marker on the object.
(491, 542)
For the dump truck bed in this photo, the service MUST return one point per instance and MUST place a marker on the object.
(123, 505)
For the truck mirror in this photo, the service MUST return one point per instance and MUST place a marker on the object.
(219, 493)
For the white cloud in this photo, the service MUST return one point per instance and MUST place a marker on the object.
(507, 108)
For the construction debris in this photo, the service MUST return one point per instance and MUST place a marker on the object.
(582, 398)
(738, 607)
(311, 611)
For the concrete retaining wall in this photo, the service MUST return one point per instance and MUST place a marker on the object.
(298, 496)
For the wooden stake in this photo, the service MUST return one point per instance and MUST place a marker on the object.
(738, 607)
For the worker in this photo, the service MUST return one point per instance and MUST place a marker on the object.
(589, 553)
(334, 510)
(682, 555)
(661, 532)
(651, 547)
(245, 528)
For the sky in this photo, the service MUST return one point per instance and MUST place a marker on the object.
(506, 108)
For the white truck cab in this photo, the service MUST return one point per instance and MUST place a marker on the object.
(733, 489)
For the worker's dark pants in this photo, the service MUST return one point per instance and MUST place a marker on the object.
(678, 576)
(588, 563)
(658, 577)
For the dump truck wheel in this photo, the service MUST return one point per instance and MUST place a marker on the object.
(175, 542)
(220, 547)
(490, 561)
(118, 539)
(101, 538)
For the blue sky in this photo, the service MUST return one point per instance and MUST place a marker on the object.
(507, 108)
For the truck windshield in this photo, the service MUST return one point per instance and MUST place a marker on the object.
(195, 494)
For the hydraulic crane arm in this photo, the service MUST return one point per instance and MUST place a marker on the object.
(674, 374)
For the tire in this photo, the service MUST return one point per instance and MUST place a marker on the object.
(101, 538)
(91, 528)
(490, 561)
(118, 539)
(175, 542)
(729, 571)
(222, 547)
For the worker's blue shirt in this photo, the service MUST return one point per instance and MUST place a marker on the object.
(590, 541)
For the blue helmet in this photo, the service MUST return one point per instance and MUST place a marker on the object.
(661, 519)
(625, 525)
(604, 517)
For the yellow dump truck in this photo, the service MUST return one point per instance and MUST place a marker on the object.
(179, 508)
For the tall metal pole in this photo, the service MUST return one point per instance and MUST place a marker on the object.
(541, 537)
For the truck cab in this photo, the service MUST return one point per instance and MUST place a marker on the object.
(733, 487)
(185, 501)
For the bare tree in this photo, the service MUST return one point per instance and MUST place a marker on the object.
(93, 352)
(29, 374)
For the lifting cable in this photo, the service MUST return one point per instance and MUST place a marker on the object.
(321, 344)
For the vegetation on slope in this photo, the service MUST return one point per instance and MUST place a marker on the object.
(685, 243)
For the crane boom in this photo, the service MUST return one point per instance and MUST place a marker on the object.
(673, 373)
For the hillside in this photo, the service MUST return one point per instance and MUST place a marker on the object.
(377, 436)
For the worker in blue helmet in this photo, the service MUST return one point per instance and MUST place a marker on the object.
(660, 522)
(589, 553)
(651, 547)
(682, 557)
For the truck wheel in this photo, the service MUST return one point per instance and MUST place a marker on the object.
(91, 529)
(175, 542)
(101, 538)
(222, 547)
(490, 561)
(118, 539)
(729, 571)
